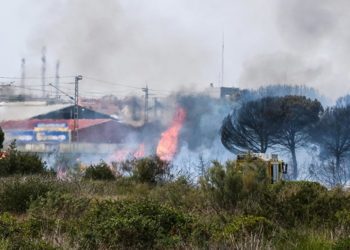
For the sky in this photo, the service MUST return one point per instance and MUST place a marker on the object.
(176, 44)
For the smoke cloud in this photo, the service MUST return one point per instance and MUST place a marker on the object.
(171, 44)
(315, 48)
(124, 41)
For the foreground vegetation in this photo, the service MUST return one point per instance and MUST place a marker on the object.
(139, 205)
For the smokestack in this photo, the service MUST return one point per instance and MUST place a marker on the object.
(23, 75)
(57, 78)
(43, 70)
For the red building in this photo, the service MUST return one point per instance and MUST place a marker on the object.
(56, 128)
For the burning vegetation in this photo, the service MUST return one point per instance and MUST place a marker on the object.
(136, 189)
(168, 144)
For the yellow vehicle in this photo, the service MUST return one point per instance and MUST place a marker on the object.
(275, 168)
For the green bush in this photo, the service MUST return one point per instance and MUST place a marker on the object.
(223, 186)
(100, 171)
(16, 235)
(150, 170)
(300, 202)
(225, 231)
(129, 224)
(21, 163)
(343, 220)
(342, 244)
(178, 194)
(8, 226)
(230, 185)
(247, 225)
(16, 193)
(57, 211)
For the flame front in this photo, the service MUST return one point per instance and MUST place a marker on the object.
(167, 145)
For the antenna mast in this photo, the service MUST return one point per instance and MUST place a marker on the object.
(222, 59)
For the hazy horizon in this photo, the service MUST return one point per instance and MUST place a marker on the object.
(175, 45)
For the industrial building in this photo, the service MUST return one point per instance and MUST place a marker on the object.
(53, 131)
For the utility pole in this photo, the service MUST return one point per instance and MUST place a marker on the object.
(57, 79)
(43, 70)
(23, 75)
(76, 108)
(146, 103)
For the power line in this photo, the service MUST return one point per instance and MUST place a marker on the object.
(33, 77)
(58, 90)
(85, 77)
(27, 88)
(113, 83)
(37, 85)
(123, 85)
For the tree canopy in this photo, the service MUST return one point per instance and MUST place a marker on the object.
(252, 127)
(299, 113)
(332, 134)
(2, 138)
(271, 121)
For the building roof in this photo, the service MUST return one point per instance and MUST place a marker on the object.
(25, 110)
(67, 113)
(32, 123)
(111, 131)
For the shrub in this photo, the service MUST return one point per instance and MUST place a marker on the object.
(150, 170)
(342, 244)
(21, 163)
(16, 235)
(343, 220)
(247, 225)
(17, 193)
(224, 231)
(298, 202)
(57, 211)
(223, 187)
(178, 194)
(228, 185)
(129, 224)
(100, 171)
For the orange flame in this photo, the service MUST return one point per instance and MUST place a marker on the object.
(167, 145)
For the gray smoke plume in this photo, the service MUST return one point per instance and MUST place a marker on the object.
(123, 42)
(171, 44)
(315, 47)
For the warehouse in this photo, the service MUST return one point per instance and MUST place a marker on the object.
(53, 131)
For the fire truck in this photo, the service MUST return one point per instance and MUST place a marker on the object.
(275, 168)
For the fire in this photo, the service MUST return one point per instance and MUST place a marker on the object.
(128, 153)
(167, 145)
(140, 152)
(3, 155)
